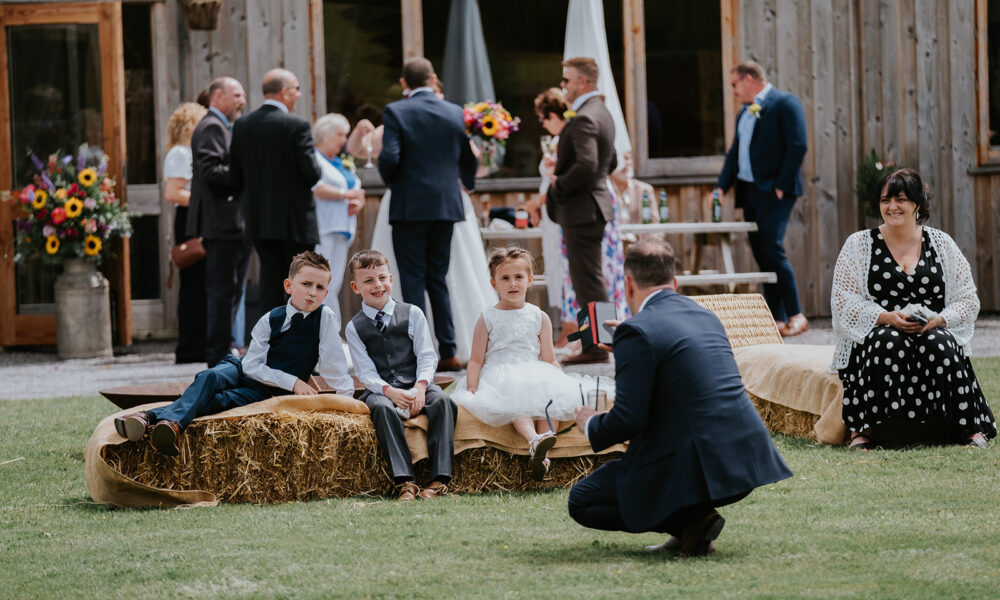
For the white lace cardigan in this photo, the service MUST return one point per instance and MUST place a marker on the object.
(855, 311)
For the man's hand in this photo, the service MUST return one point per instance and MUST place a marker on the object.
(778, 193)
(354, 207)
(612, 324)
(582, 414)
(721, 194)
(302, 388)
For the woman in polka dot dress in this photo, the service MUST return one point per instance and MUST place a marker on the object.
(895, 366)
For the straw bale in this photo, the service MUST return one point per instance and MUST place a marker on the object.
(284, 457)
(785, 420)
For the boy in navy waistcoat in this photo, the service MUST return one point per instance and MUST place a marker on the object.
(394, 357)
(288, 344)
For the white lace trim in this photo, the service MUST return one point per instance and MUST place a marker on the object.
(855, 310)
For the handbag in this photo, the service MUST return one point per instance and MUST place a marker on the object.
(187, 253)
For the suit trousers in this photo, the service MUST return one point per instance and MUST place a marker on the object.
(423, 254)
(226, 268)
(275, 257)
(771, 216)
(441, 414)
(214, 390)
(593, 503)
(583, 253)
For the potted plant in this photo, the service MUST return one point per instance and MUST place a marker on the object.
(201, 14)
(72, 214)
(870, 172)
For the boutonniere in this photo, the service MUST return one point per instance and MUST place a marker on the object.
(348, 163)
(569, 114)
(755, 110)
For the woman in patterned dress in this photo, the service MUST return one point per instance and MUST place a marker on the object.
(904, 308)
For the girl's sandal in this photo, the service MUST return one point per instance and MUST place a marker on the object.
(538, 448)
(977, 440)
(860, 441)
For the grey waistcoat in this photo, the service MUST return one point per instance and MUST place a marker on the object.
(391, 350)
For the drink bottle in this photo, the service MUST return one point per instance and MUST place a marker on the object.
(664, 207)
(716, 207)
(647, 211)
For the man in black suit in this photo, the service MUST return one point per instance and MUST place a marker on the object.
(764, 165)
(578, 197)
(217, 215)
(425, 151)
(695, 440)
(274, 160)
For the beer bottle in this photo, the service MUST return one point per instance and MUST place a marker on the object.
(664, 207)
(647, 211)
(716, 207)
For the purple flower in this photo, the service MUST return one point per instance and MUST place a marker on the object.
(48, 182)
(102, 167)
(89, 203)
(38, 163)
(81, 161)
(67, 159)
(48, 230)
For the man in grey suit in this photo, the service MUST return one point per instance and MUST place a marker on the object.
(578, 198)
(695, 440)
(217, 216)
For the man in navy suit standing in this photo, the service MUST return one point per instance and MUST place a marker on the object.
(425, 151)
(274, 161)
(695, 440)
(764, 164)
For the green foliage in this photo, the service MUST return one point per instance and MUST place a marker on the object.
(912, 523)
(870, 172)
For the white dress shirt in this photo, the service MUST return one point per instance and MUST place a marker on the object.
(419, 332)
(746, 126)
(332, 364)
(581, 99)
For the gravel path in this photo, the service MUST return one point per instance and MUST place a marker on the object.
(38, 373)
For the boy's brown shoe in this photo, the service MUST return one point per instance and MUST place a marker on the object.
(407, 491)
(166, 437)
(435, 489)
(133, 426)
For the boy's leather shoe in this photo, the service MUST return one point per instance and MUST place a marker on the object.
(133, 426)
(166, 437)
(435, 489)
(407, 491)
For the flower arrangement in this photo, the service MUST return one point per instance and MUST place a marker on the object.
(490, 120)
(870, 172)
(490, 125)
(72, 209)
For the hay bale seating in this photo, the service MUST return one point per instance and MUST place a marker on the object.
(789, 384)
(295, 448)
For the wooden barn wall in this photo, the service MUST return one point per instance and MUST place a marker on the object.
(898, 77)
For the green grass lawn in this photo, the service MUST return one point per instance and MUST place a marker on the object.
(915, 523)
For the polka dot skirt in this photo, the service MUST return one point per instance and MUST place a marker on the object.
(893, 376)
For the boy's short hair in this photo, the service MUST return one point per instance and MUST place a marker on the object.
(500, 256)
(366, 259)
(650, 263)
(307, 259)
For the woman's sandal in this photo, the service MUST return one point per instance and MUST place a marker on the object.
(860, 441)
(538, 448)
(977, 440)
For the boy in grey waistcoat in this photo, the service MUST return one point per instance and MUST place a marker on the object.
(394, 357)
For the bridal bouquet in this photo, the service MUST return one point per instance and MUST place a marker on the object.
(72, 209)
(489, 124)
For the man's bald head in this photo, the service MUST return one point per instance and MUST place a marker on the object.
(281, 85)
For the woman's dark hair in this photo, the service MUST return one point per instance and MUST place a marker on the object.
(908, 183)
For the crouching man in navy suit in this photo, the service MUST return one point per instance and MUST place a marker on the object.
(288, 344)
(695, 440)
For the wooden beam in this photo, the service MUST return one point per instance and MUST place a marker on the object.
(982, 85)
(634, 21)
(8, 298)
(317, 59)
(413, 29)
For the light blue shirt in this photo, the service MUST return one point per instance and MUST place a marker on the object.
(280, 106)
(583, 98)
(224, 118)
(745, 129)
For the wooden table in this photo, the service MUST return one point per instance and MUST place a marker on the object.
(705, 233)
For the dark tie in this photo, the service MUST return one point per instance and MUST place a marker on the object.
(296, 319)
(381, 320)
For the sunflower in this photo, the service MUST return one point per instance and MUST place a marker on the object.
(73, 208)
(490, 126)
(87, 177)
(40, 197)
(92, 245)
(52, 244)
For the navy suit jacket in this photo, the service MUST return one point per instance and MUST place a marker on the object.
(425, 151)
(693, 434)
(216, 211)
(777, 147)
(274, 161)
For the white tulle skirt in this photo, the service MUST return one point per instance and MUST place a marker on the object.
(508, 391)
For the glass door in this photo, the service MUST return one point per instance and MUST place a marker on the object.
(61, 85)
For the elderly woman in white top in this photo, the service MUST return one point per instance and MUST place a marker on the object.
(339, 197)
(904, 308)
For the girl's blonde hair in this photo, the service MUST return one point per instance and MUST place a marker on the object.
(182, 123)
(500, 256)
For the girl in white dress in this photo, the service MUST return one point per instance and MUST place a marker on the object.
(513, 372)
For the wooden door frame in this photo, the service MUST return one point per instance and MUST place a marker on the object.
(18, 329)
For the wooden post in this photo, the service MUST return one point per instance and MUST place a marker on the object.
(413, 29)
